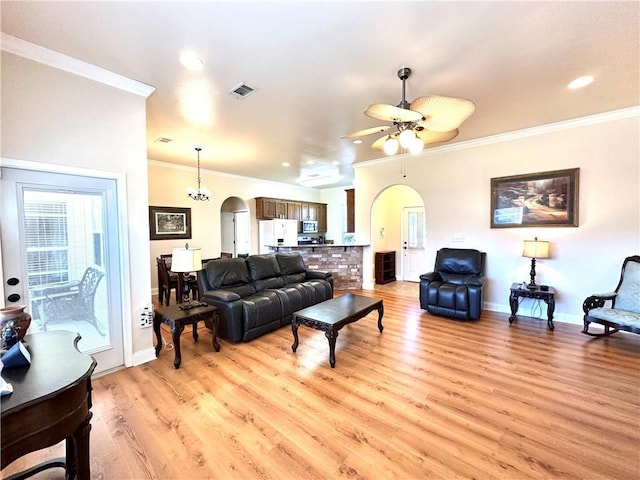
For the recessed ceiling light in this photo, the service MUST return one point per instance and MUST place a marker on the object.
(581, 82)
(335, 162)
(285, 164)
(191, 61)
(357, 141)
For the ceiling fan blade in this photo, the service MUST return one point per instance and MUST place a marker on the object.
(428, 136)
(367, 131)
(443, 114)
(383, 111)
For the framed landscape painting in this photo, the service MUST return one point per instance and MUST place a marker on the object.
(169, 223)
(545, 199)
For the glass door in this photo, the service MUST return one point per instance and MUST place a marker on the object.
(60, 249)
(413, 243)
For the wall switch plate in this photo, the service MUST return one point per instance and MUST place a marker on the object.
(145, 314)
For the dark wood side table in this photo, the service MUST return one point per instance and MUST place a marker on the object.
(177, 319)
(51, 402)
(518, 291)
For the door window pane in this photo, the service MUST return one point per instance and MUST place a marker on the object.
(64, 250)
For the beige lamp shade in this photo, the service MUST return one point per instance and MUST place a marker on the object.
(536, 248)
(186, 259)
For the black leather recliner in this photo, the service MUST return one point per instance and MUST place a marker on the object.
(456, 286)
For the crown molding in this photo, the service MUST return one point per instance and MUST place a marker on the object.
(175, 166)
(596, 119)
(63, 62)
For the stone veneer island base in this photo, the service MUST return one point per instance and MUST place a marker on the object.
(343, 261)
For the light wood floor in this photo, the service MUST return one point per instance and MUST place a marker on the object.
(427, 398)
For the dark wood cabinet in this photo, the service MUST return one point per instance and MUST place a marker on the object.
(351, 207)
(309, 211)
(281, 209)
(385, 266)
(322, 217)
(270, 208)
(265, 208)
(293, 210)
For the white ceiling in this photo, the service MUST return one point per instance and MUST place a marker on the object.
(318, 65)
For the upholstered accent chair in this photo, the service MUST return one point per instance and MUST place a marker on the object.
(455, 288)
(617, 310)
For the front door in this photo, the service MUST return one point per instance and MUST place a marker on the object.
(413, 243)
(61, 257)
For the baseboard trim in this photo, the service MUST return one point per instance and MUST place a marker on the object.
(144, 356)
(557, 317)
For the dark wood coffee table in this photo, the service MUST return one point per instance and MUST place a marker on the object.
(331, 315)
(177, 319)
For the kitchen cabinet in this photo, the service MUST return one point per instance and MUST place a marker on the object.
(265, 208)
(351, 207)
(281, 209)
(322, 217)
(309, 211)
(294, 210)
(270, 208)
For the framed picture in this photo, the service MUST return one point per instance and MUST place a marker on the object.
(169, 223)
(545, 199)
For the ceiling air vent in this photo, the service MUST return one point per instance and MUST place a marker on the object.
(241, 91)
(163, 140)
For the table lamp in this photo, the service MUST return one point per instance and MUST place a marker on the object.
(185, 260)
(535, 249)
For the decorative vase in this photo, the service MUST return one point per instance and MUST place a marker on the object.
(21, 319)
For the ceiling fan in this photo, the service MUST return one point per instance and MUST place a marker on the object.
(426, 120)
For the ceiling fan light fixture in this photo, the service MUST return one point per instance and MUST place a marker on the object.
(406, 137)
(416, 145)
(391, 146)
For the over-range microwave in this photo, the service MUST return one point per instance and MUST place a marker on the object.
(309, 226)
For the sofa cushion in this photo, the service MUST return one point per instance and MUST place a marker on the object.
(229, 274)
(264, 270)
(292, 267)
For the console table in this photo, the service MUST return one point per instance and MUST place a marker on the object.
(518, 291)
(51, 402)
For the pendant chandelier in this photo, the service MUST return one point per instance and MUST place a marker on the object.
(200, 193)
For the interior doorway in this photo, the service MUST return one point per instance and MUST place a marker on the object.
(398, 224)
(235, 228)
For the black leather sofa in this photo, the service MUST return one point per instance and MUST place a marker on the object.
(455, 288)
(259, 293)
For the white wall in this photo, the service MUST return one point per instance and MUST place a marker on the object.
(54, 118)
(455, 183)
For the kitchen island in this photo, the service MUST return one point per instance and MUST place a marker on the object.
(343, 261)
